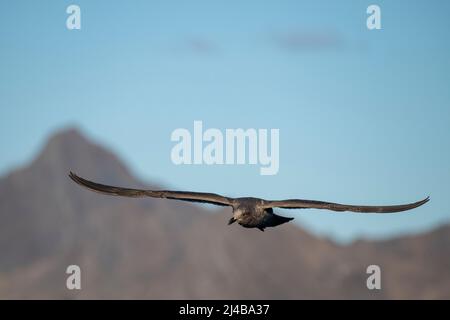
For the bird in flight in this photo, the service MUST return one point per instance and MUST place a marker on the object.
(248, 212)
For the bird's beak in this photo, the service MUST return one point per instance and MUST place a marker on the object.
(232, 220)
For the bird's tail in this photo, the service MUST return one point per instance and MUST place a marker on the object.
(276, 220)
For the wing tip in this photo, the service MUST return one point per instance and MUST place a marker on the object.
(77, 179)
(421, 202)
(89, 184)
(424, 200)
(73, 176)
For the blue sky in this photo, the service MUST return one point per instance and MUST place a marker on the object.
(363, 115)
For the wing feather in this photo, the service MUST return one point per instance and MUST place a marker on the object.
(307, 204)
(201, 197)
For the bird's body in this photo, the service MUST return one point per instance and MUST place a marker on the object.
(248, 212)
(251, 213)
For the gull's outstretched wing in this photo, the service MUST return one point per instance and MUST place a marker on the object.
(211, 198)
(312, 204)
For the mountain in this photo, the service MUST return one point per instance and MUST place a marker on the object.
(156, 249)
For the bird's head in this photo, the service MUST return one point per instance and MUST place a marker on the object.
(237, 214)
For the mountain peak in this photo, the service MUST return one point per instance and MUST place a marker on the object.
(70, 150)
(67, 135)
(64, 139)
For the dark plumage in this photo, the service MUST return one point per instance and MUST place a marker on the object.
(248, 212)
